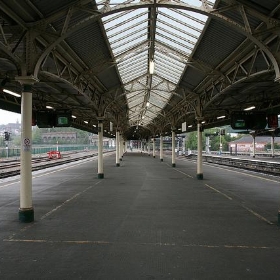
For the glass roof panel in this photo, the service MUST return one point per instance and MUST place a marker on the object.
(166, 35)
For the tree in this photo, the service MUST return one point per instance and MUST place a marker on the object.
(191, 142)
(214, 135)
(36, 136)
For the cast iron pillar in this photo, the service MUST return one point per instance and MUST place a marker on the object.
(173, 149)
(100, 172)
(199, 174)
(26, 210)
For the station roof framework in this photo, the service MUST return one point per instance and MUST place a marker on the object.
(210, 58)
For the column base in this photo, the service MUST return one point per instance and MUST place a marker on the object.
(154, 156)
(161, 159)
(100, 176)
(199, 176)
(26, 215)
(173, 164)
(120, 159)
(117, 164)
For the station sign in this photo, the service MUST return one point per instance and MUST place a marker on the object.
(248, 120)
(50, 118)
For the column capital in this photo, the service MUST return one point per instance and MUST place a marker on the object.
(100, 119)
(26, 80)
(199, 119)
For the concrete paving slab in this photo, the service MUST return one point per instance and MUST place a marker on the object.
(144, 220)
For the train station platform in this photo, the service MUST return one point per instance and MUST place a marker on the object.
(144, 220)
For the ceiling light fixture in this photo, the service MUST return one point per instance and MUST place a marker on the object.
(49, 107)
(250, 108)
(152, 67)
(221, 117)
(11, 93)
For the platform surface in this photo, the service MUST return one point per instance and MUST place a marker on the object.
(144, 220)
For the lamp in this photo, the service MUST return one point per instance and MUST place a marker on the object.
(11, 93)
(152, 67)
(250, 108)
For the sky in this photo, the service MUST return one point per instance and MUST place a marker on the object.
(9, 117)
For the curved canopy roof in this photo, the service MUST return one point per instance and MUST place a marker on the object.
(150, 65)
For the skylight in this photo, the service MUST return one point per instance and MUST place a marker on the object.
(166, 35)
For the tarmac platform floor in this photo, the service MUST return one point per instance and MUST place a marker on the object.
(144, 220)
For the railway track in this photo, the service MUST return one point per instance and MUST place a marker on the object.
(11, 167)
(268, 166)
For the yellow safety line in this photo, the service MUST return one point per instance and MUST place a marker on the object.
(55, 209)
(180, 171)
(228, 197)
(101, 242)
(58, 241)
(183, 173)
(258, 215)
(68, 200)
(248, 209)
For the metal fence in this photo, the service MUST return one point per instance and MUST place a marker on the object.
(6, 152)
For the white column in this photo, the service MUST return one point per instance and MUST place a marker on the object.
(154, 147)
(161, 148)
(100, 172)
(221, 145)
(149, 147)
(199, 174)
(117, 148)
(254, 145)
(272, 146)
(123, 144)
(173, 149)
(120, 147)
(26, 210)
